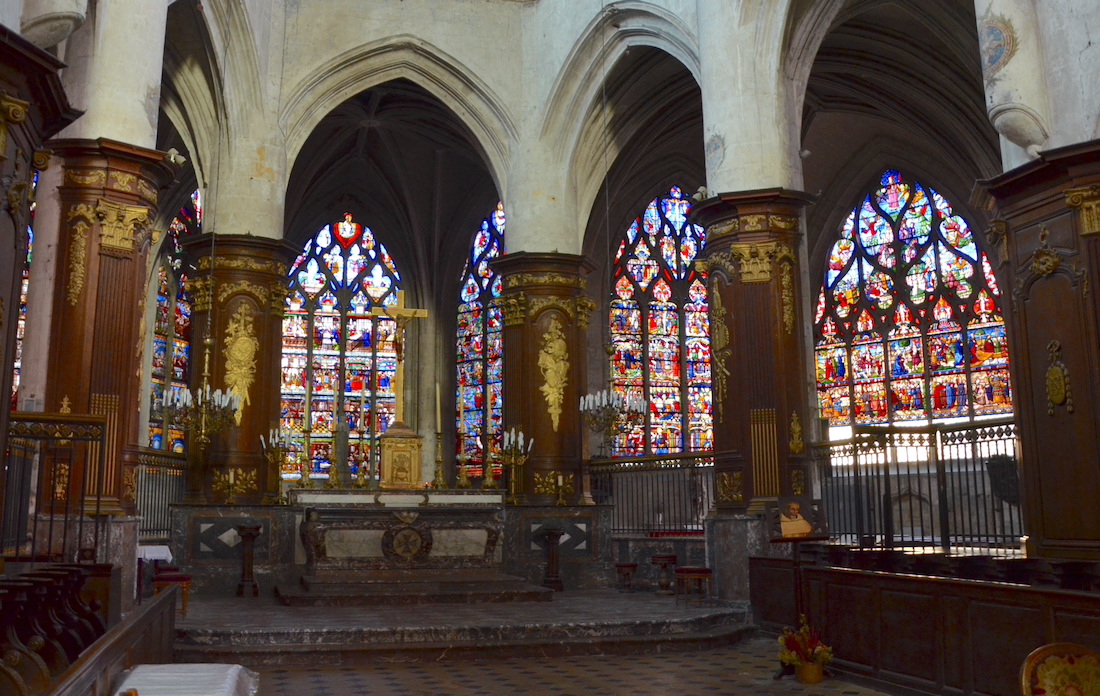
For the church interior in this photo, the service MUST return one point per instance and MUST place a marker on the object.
(464, 332)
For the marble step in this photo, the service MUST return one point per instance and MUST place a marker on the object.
(449, 644)
(408, 587)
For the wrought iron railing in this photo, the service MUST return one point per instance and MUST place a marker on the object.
(938, 486)
(161, 481)
(656, 495)
(54, 508)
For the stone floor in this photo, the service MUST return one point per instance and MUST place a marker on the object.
(747, 667)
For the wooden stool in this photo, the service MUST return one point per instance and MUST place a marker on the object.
(689, 578)
(663, 581)
(626, 575)
(163, 580)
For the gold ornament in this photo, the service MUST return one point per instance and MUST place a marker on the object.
(121, 226)
(241, 347)
(1045, 260)
(227, 290)
(585, 307)
(798, 482)
(731, 487)
(787, 283)
(535, 305)
(554, 364)
(124, 181)
(78, 260)
(720, 346)
(796, 444)
(13, 111)
(1059, 390)
(86, 177)
(514, 308)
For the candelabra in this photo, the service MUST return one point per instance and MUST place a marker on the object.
(514, 455)
(610, 413)
(203, 414)
(439, 481)
(275, 449)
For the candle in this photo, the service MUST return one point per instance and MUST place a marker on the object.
(232, 477)
(438, 416)
(559, 480)
(530, 444)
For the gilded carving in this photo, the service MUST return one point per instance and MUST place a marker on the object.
(1059, 390)
(277, 293)
(722, 229)
(41, 159)
(514, 308)
(731, 487)
(528, 279)
(17, 189)
(121, 225)
(796, 444)
(235, 480)
(756, 261)
(227, 290)
(798, 482)
(997, 232)
(786, 280)
(129, 484)
(202, 293)
(12, 111)
(147, 191)
(546, 484)
(61, 481)
(554, 364)
(241, 347)
(86, 177)
(754, 223)
(1087, 202)
(124, 181)
(83, 210)
(238, 263)
(585, 307)
(1045, 260)
(78, 261)
(720, 346)
(537, 304)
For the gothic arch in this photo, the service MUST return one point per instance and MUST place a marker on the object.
(404, 56)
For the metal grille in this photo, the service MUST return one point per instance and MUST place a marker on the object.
(162, 479)
(939, 486)
(656, 495)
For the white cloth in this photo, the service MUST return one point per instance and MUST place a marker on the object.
(155, 553)
(191, 680)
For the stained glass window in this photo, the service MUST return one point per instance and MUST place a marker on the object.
(22, 321)
(171, 350)
(660, 332)
(339, 360)
(908, 324)
(479, 342)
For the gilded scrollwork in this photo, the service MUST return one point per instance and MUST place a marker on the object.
(731, 487)
(797, 445)
(238, 263)
(86, 177)
(1045, 260)
(720, 346)
(123, 181)
(12, 111)
(1059, 389)
(798, 482)
(41, 159)
(554, 363)
(528, 279)
(514, 308)
(786, 282)
(1086, 200)
(202, 292)
(536, 305)
(227, 290)
(546, 484)
(78, 261)
(997, 232)
(585, 307)
(129, 484)
(241, 347)
(277, 294)
(721, 229)
(147, 191)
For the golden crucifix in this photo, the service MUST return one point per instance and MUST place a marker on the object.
(401, 316)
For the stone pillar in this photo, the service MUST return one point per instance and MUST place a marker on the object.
(757, 350)
(1045, 236)
(108, 199)
(32, 108)
(239, 301)
(546, 315)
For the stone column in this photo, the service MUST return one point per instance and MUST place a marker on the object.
(546, 315)
(1045, 239)
(758, 357)
(239, 291)
(108, 199)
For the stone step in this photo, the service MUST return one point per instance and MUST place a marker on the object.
(409, 587)
(405, 647)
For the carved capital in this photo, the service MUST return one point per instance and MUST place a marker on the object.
(121, 226)
(756, 259)
(1086, 200)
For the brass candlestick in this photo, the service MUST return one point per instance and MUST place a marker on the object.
(305, 468)
(565, 485)
(362, 477)
(463, 475)
(439, 481)
(514, 458)
(489, 481)
(274, 451)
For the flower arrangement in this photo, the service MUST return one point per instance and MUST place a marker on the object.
(803, 646)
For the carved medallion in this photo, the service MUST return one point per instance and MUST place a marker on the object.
(554, 365)
(997, 40)
(1059, 390)
(1045, 260)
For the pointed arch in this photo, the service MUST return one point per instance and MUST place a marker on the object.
(403, 56)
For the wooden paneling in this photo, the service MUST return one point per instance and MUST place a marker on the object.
(924, 634)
